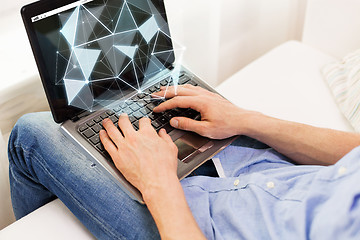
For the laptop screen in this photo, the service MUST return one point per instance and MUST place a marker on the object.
(96, 51)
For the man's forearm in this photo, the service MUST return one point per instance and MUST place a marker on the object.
(302, 143)
(171, 213)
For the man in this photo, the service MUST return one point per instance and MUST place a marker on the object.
(268, 193)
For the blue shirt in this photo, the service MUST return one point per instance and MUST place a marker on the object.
(265, 197)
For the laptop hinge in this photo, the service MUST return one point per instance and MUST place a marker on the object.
(80, 116)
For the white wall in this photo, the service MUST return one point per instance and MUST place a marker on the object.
(11, 6)
(223, 36)
(322, 22)
(195, 24)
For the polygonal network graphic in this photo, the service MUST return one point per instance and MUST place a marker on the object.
(111, 47)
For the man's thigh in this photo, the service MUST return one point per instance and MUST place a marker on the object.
(54, 162)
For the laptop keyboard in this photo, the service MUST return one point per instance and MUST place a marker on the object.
(139, 106)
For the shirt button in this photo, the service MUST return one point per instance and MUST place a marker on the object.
(342, 170)
(270, 184)
(237, 181)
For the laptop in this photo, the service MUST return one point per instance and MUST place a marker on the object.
(100, 58)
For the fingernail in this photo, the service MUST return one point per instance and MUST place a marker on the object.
(123, 115)
(174, 123)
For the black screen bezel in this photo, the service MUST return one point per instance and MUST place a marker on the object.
(60, 110)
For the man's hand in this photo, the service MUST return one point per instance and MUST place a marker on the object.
(138, 154)
(148, 160)
(220, 118)
(303, 144)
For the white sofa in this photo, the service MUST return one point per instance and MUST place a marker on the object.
(285, 83)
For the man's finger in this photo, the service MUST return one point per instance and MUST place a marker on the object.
(180, 102)
(145, 123)
(178, 86)
(164, 135)
(108, 144)
(125, 125)
(188, 124)
(172, 91)
(112, 131)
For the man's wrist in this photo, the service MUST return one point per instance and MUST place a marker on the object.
(250, 122)
(170, 211)
(160, 191)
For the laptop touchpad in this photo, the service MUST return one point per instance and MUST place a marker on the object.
(190, 145)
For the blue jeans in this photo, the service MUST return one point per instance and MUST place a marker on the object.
(44, 165)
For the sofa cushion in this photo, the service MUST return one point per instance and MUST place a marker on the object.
(52, 221)
(287, 83)
(344, 81)
(6, 213)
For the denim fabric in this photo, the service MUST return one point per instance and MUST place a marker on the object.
(45, 165)
(263, 196)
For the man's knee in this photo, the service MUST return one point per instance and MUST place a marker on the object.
(33, 119)
(29, 126)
